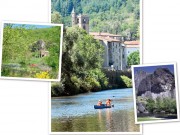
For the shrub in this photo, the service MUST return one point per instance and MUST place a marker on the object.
(127, 81)
(150, 106)
(57, 89)
(166, 104)
(42, 75)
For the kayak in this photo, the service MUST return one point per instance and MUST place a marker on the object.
(102, 106)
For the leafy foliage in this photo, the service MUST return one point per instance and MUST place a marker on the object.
(150, 105)
(21, 46)
(166, 104)
(113, 16)
(81, 63)
(127, 81)
(133, 58)
(56, 17)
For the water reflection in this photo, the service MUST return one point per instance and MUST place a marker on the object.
(78, 115)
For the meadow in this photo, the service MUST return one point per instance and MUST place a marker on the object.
(31, 51)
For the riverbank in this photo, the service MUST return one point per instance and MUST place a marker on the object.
(153, 117)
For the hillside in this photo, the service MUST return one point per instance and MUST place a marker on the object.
(113, 16)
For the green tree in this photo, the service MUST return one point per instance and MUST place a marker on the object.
(15, 44)
(127, 81)
(56, 17)
(133, 59)
(150, 105)
(114, 16)
(81, 62)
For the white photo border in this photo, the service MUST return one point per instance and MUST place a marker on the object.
(141, 60)
(176, 88)
(31, 79)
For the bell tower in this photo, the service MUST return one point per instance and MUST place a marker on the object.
(81, 21)
(73, 17)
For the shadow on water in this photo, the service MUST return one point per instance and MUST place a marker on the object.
(80, 116)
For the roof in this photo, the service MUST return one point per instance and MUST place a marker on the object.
(73, 10)
(131, 43)
(103, 34)
(132, 46)
(106, 38)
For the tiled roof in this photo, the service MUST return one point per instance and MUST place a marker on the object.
(131, 43)
(132, 46)
(106, 39)
(103, 34)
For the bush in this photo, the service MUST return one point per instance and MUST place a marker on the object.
(57, 89)
(42, 75)
(150, 106)
(127, 81)
(166, 104)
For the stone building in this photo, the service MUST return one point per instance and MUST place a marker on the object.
(80, 20)
(116, 50)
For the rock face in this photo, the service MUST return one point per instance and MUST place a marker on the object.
(139, 77)
(140, 108)
(160, 83)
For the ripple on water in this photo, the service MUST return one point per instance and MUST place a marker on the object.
(77, 113)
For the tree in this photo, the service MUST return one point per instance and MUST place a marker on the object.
(127, 81)
(81, 62)
(114, 16)
(150, 105)
(56, 17)
(15, 43)
(133, 59)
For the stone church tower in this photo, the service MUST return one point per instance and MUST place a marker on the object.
(81, 20)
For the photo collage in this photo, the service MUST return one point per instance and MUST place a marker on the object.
(91, 52)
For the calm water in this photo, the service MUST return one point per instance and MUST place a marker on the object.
(77, 113)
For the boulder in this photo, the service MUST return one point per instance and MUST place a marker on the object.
(141, 108)
(160, 83)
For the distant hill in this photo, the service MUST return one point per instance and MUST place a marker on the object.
(113, 16)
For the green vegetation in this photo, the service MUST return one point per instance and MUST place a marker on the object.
(81, 64)
(148, 119)
(31, 51)
(56, 17)
(113, 16)
(127, 81)
(133, 58)
(166, 104)
(82, 54)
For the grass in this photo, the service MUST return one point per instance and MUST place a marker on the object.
(148, 119)
(37, 60)
(34, 68)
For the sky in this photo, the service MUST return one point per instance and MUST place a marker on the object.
(151, 69)
(30, 25)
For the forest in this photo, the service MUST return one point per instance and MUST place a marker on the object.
(31, 51)
(113, 16)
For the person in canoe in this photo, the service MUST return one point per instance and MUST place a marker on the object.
(108, 102)
(99, 103)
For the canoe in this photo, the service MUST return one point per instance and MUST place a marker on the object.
(102, 106)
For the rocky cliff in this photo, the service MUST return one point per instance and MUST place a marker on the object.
(160, 83)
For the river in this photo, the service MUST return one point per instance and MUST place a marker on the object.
(77, 113)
